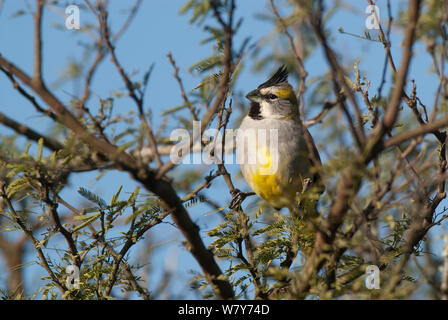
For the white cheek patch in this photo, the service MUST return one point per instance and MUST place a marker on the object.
(266, 109)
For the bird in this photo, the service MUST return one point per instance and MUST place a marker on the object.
(276, 153)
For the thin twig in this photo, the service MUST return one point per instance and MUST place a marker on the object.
(303, 72)
(181, 86)
(37, 76)
(30, 235)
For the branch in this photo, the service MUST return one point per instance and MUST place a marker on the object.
(30, 235)
(444, 284)
(37, 76)
(338, 74)
(181, 86)
(415, 133)
(328, 105)
(138, 98)
(98, 238)
(66, 234)
(350, 180)
(22, 129)
(128, 21)
(141, 173)
(392, 108)
(303, 72)
(29, 97)
(101, 54)
(223, 86)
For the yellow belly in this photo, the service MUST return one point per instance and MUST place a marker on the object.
(266, 186)
(277, 190)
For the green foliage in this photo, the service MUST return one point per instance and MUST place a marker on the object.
(252, 243)
(199, 10)
(93, 197)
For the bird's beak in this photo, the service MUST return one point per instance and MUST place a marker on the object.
(254, 95)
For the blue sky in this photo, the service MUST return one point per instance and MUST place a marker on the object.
(158, 29)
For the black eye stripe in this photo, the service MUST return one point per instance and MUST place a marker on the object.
(270, 96)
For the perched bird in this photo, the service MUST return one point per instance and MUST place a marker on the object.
(276, 153)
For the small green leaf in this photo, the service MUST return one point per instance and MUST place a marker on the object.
(134, 195)
(92, 197)
(40, 145)
(18, 13)
(115, 196)
(88, 222)
(27, 148)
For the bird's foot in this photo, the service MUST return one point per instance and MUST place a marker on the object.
(238, 197)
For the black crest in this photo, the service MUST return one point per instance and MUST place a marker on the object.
(281, 75)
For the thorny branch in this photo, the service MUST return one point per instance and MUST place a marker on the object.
(152, 181)
(332, 240)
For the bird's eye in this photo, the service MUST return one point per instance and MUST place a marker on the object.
(271, 96)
